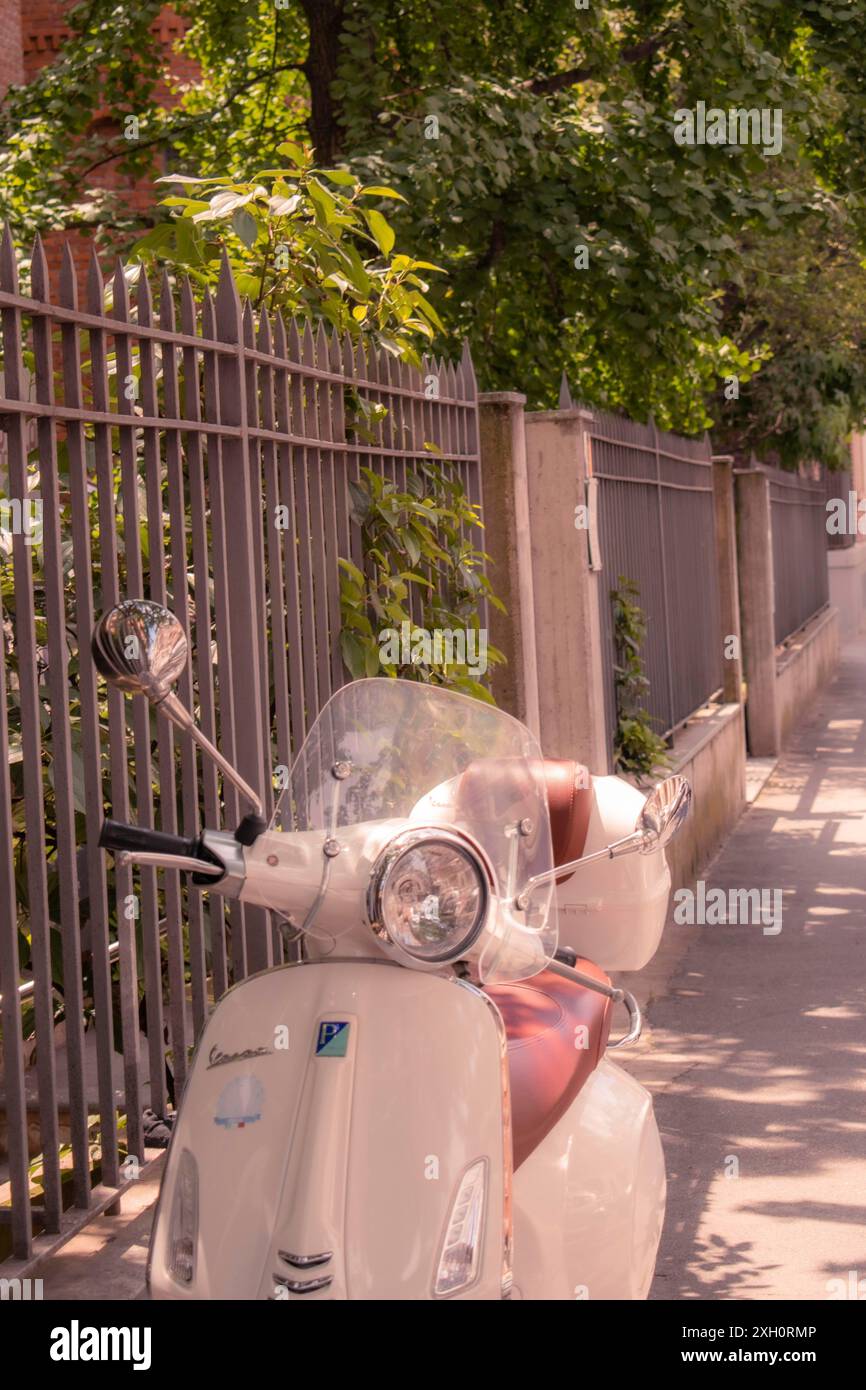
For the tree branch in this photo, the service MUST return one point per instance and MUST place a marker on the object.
(633, 53)
(166, 133)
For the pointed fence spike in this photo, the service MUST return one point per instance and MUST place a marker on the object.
(8, 263)
(95, 284)
(68, 279)
(166, 303)
(144, 300)
(39, 283)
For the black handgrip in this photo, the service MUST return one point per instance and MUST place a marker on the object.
(117, 836)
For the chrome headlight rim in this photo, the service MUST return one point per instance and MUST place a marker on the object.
(393, 851)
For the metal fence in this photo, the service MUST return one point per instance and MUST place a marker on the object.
(801, 582)
(656, 527)
(204, 464)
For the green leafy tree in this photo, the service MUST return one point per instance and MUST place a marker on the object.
(533, 142)
(309, 242)
(799, 302)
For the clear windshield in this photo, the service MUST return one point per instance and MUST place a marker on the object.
(385, 755)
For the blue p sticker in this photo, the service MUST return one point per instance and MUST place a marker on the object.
(333, 1039)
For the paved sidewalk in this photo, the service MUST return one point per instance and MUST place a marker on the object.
(756, 1053)
(106, 1261)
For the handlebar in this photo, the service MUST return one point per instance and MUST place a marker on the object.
(134, 839)
(159, 850)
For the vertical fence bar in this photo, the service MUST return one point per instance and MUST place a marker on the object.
(118, 761)
(273, 532)
(285, 485)
(31, 743)
(327, 408)
(156, 536)
(239, 660)
(180, 603)
(261, 524)
(660, 515)
(203, 664)
(149, 1010)
(224, 689)
(341, 486)
(120, 780)
(10, 1003)
(91, 744)
(61, 741)
(315, 395)
(353, 459)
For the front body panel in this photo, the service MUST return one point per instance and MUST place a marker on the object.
(589, 1201)
(332, 1110)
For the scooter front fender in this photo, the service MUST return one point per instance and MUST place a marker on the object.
(331, 1114)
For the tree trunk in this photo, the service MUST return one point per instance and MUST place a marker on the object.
(325, 18)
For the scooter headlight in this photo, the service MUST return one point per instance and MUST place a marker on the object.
(428, 895)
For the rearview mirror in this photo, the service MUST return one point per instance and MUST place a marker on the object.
(663, 813)
(141, 648)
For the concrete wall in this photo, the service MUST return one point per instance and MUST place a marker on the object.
(502, 440)
(848, 587)
(711, 753)
(565, 593)
(757, 603)
(806, 666)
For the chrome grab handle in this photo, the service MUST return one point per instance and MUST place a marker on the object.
(127, 858)
(636, 1018)
(616, 996)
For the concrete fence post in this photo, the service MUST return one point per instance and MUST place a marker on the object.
(729, 589)
(755, 566)
(571, 673)
(502, 444)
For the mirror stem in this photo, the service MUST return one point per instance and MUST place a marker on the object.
(627, 845)
(181, 717)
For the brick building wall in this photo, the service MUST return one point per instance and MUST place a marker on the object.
(32, 33)
(11, 45)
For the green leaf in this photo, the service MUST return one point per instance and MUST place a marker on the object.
(323, 201)
(295, 152)
(350, 568)
(381, 191)
(383, 234)
(339, 176)
(246, 227)
(354, 654)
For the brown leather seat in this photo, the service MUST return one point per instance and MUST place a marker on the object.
(569, 800)
(547, 1061)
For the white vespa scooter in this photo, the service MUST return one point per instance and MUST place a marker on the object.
(421, 1106)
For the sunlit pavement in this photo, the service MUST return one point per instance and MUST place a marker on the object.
(106, 1261)
(756, 1046)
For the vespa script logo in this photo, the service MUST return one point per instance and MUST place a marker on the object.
(217, 1058)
